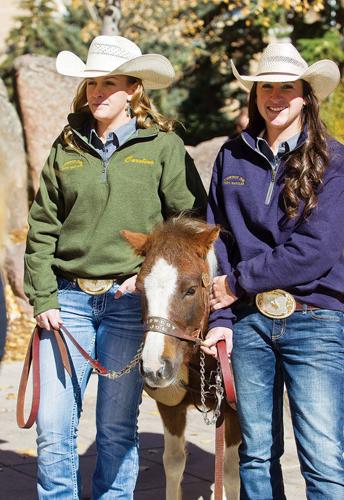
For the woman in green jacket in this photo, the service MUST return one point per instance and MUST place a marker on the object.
(116, 165)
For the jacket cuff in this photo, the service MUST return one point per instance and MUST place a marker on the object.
(221, 318)
(42, 304)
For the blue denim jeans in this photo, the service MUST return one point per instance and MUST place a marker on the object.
(306, 353)
(110, 330)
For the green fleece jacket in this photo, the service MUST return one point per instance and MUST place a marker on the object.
(84, 203)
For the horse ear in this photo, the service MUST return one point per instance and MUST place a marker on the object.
(136, 240)
(206, 238)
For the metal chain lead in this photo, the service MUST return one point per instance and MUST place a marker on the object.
(127, 369)
(218, 391)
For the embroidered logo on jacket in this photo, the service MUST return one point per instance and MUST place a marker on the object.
(234, 180)
(71, 164)
(142, 161)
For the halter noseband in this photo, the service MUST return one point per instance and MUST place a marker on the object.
(168, 327)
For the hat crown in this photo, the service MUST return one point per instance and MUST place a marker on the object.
(111, 51)
(281, 58)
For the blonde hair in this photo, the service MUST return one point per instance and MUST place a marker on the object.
(141, 108)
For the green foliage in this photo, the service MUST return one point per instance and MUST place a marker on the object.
(42, 30)
(328, 46)
(332, 113)
(198, 36)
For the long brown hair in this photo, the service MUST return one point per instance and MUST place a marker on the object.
(305, 167)
(141, 107)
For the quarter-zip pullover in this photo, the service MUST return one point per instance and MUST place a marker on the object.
(79, 211)
(261, 249)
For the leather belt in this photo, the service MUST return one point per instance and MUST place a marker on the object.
(278, 304)
(95, 286)
(304, 307)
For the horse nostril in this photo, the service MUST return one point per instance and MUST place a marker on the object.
(155, 377)
(166, 371)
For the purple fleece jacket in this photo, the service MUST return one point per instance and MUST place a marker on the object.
(260, 248)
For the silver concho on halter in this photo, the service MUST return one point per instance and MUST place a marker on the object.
(276, 304)
(94, 287)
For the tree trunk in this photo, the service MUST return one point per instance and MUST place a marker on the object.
(112, 17)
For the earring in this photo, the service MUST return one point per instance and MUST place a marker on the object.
(128, 109)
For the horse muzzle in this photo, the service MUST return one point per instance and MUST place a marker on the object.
(159, 377)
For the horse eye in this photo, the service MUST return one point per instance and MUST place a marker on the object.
(191, 291)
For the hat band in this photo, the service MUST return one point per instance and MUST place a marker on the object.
(277, 73)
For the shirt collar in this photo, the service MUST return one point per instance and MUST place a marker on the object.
(283, 147)
(117, 137)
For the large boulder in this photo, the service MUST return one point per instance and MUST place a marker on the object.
(204, 155)
(13, 179)
(45, 100)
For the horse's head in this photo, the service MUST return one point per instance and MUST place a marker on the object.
(178, 266)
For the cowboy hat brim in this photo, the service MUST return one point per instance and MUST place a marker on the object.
(155, 70)
(323, 76)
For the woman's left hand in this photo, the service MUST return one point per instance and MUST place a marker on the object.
(221, 295)
(212, 338)
(128, 285)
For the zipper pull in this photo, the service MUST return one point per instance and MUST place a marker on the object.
(105, 170)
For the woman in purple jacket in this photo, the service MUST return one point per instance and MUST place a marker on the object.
(278, 192)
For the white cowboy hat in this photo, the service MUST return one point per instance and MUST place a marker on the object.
(117, 55)
(281, 62)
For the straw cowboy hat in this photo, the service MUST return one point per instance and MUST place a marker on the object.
(281, 62)
(117, 55)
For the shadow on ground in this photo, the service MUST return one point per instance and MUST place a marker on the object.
(18, 472)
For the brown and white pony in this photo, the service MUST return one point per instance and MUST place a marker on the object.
(178, 256)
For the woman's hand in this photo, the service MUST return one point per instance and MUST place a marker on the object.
(128, 285)
(221, 295)
(213, 336)
(49, 320)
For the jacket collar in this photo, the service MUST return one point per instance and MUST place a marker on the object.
(79, 124)
(250, 138)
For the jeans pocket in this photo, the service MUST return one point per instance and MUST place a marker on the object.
(327, 315)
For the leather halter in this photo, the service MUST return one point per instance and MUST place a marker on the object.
(168, 327)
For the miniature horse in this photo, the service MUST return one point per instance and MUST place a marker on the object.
(174, 282)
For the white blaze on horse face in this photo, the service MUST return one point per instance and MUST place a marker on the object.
(160, 285)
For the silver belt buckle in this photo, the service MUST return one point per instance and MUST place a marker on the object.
(94, 287)
(276, 304)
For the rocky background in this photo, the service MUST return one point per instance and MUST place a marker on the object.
(44, 99)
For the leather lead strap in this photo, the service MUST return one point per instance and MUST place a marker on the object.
(227, 374)
(32, 357)
(219, 456)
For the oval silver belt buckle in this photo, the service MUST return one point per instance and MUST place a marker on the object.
(94, 287)
(276, 304)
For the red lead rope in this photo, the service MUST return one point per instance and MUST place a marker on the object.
(32, 357)
(227, 373)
